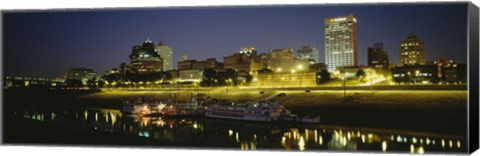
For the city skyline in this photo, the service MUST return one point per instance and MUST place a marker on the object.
(102, 39)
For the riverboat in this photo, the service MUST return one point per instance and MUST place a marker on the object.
(263, 111)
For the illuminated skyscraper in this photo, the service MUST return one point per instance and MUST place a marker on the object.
(166, 53)
(144, 59)
(412, 51)
(341, 42)
(184, 56)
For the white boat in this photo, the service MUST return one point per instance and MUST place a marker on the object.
(266, 111)
(260, 111)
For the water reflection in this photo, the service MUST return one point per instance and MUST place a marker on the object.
(249, 136)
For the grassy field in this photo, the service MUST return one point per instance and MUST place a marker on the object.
(447, 99)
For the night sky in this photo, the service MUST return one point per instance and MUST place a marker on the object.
(48, 43)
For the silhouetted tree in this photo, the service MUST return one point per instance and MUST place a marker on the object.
(209, 77)
(360, 74)
(323, 76)
(232, 75)
(73, 83)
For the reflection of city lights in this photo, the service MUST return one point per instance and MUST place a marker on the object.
(306, 134)
(253, 146)
(427, 141)
(96, 117)
(414, 140)
(237, 137)
(443, 143)
(114, 118)
(53, 116)
(106, 117)
(300, 67)
(450, 143)
(458, 144)
(412, 148)
(301, 144)
(384, 146)
(363, 138)
(320, 140)
(195, 126)
(283, 140)
(421, 150)
(370, 135)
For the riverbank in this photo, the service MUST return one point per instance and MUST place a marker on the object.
(439, 111)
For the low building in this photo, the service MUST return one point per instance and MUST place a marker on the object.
(30, 82)
(455, 73)
(192, 75)
(274, 79)
(80, 74)
(417, 74)
(281, 60)
(317, 67)
(238, 62)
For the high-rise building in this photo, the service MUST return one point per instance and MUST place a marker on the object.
(184, 56)
(341, 42)
(144, 59)
(377, 57)
(166, 53)
(412, 51)
(308, 53)
(281, 60)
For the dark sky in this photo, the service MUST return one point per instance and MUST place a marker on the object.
(48, 43)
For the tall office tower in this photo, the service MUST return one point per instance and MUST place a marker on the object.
(341, 42)
(377, 57)
(184, 56)
(412, 51)
(308, 53)
(144, 59)
(166, 53)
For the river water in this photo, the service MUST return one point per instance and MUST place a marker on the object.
(251, 135)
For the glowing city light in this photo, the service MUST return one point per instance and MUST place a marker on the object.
(384, 146)
(301, 144)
